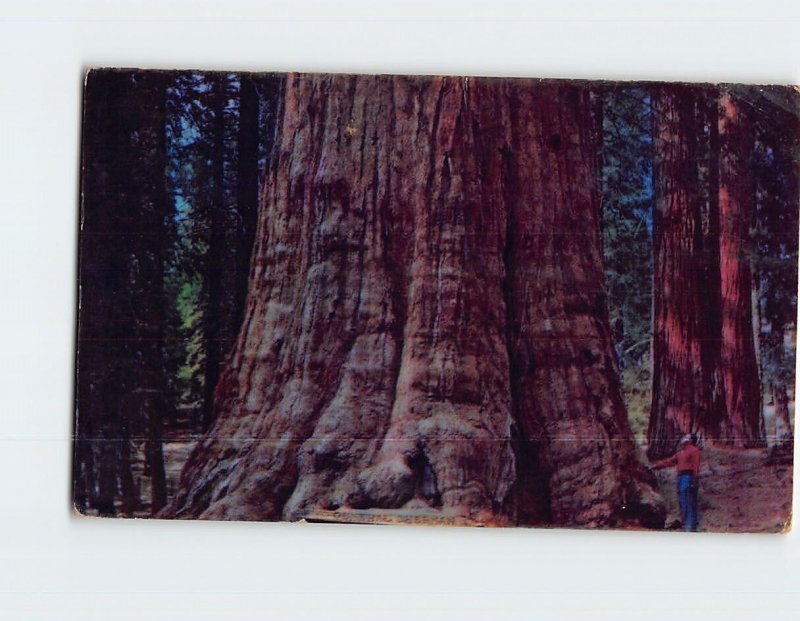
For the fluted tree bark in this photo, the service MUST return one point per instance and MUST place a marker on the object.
(737, 199)
(705, 373)
(687, 385)
(425, 325)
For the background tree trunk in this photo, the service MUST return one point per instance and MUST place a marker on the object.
(216, 258)
(102, 275)
(783, 428)
(737, 203)
(247, 188)
(712, 419)
(705, 372)
(686, 384)
(425, 315)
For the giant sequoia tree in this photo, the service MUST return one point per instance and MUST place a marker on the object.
(426, 324)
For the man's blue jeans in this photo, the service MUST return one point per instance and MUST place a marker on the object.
(687, 498)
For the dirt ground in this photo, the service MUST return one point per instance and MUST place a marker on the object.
(176, 451)
(741, 490)
(747, 490)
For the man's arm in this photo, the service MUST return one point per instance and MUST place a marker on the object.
(665, 463)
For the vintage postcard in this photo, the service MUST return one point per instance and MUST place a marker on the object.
(439, 300)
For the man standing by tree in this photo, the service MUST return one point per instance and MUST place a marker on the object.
(687, 466)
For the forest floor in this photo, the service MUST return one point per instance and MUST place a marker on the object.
(176, 453)
(741, 490)
(176, 448)
(746, 490)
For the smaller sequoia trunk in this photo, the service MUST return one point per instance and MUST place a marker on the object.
(705, 372)
(737, 201)
(687, 384)
(425, 326)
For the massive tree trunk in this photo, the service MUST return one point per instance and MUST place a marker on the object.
(687, 384)
(565, 389)
(425, 325)
(737, 203)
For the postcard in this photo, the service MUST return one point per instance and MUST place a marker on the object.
(442, 300)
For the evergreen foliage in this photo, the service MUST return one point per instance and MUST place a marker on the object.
(627, 193)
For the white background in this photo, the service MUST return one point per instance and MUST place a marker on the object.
(55, 566)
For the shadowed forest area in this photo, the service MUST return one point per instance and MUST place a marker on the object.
(471, 299)
(172, 166)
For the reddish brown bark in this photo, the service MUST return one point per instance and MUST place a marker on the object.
(565, 380)
(744, 423)
(687, 385)
(425, 324)
(705, 373)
